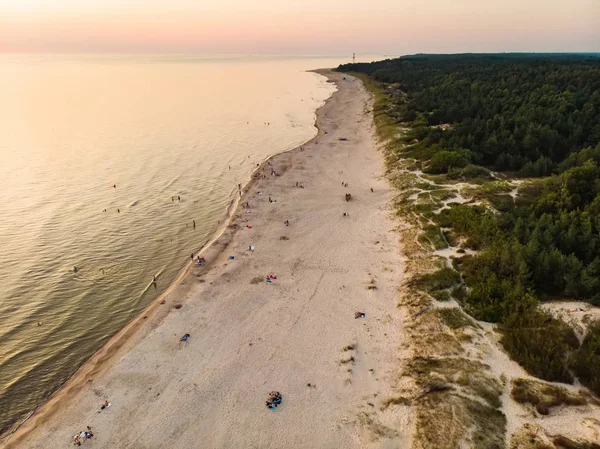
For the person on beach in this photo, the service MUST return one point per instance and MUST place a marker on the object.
(274, 400)
(154, 278)
(185, 337)
(286, 222)
(192, 256)
(371, 189)
(118, 211)
(359, 315)
(178, 197)
(194, 223)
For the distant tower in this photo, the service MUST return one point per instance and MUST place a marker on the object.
(353, 58)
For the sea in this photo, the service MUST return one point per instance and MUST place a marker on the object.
(106, 163)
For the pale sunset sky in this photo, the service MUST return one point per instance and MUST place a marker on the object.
(299, 26)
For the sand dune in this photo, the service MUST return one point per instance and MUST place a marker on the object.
(249, 337)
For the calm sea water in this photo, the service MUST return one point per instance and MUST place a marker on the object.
(157, 127)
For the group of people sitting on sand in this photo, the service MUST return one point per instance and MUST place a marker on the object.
(82, 436)
(274, 400)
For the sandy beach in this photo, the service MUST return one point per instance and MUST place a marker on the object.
(297, 334)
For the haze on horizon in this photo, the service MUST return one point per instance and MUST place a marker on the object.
(299, 26)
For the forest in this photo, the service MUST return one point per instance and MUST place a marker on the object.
(520, 116)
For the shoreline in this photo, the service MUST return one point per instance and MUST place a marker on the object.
(101, 360)
(249, 337)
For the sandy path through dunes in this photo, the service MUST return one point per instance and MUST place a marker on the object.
(250, 338)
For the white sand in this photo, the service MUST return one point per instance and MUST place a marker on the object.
(248, 339)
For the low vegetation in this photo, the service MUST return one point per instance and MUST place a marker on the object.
(472, 117)
(543, 396)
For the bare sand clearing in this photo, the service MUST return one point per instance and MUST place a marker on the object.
(249, 337)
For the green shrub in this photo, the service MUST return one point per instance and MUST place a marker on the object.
(469, 172)
(539, 343)
(586, 360)
(444, 160)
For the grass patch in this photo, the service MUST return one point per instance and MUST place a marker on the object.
(562, 442)
(432, 235)
(454, 318)
(441, 295)
(447, 420)
(543, 396)
(466, 374)
(441, 279)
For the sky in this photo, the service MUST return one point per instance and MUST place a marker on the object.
(299, 26)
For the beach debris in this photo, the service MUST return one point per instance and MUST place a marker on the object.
(343, 139)
(185, 337)
(251, 248)
(178, 306)
(359, 315)
(274, 400)
(231, 257)
(283, 237)
(421, 312)
(271, 278)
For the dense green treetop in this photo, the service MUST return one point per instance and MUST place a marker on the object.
(512, 111)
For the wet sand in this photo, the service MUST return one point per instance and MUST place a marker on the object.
(249, 337)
